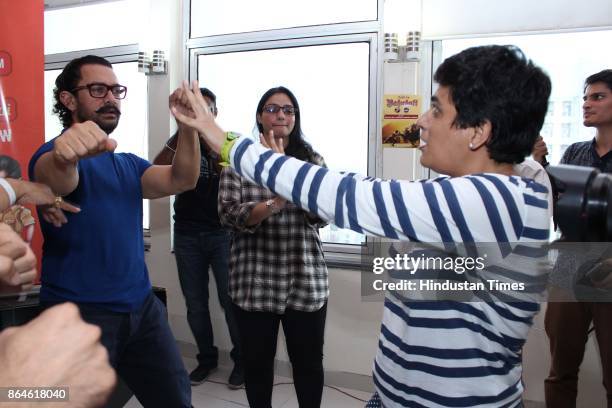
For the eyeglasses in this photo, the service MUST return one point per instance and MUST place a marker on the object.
(274, 108)
(99, 90)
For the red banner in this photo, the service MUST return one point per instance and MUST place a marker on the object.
(22, 67)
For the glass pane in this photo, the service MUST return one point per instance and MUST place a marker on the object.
(93, 26)
(132, 132)
(210, 17)
(568, 58)
(331, 84)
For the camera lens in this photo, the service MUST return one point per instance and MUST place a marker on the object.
(598, 214)
(582, 211)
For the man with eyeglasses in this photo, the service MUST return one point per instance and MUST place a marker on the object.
(96, 260)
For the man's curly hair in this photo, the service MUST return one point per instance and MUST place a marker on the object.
(68, 80)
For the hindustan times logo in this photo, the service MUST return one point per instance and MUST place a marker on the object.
(411, 264)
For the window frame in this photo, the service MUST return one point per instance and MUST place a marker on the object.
(310, 29)
(555, 109)
(371, 32)
(557, 106)
(115, 55)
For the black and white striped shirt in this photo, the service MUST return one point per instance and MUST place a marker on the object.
(433, 354)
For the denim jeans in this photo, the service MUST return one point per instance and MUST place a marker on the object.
(194, 254)
(142, 349)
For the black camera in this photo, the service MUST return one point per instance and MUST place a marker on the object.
(582, 210)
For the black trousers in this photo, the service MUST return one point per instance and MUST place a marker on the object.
(304, 332)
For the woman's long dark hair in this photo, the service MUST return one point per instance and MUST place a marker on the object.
(298, 147)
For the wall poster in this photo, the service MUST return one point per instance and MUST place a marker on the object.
(400, 113)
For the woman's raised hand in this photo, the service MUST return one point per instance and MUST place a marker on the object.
(270, 142)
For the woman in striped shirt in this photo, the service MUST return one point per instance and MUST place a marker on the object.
(484, 118)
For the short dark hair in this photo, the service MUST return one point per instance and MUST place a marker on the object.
(498, 84)
(68, 80)
(604, 76)
(207, 93)
(297, 147)
(10, 166)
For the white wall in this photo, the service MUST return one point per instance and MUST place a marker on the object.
(403, 78)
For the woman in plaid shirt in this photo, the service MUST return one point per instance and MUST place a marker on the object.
(277, 270)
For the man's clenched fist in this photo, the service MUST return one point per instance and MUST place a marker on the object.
(58, 349)
(82, 140)
(17, 262)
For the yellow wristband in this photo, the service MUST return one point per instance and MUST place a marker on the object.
(230, 139)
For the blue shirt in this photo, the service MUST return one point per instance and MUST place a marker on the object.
(97, 258)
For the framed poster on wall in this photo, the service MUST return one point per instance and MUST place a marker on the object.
(400, 113)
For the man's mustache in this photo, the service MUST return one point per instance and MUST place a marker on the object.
(109, 109)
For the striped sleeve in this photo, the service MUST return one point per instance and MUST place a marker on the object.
(347, 200)
(417, 211)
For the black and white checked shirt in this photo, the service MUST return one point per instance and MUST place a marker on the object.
(277, 263)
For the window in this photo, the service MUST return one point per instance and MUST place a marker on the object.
(551, 52)
(92, 22)
(93, 26)
(211, 17)
(566, 131)
(333, 100)
(131, 134)
(567, 108)
(328, 59)
(546, 131)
